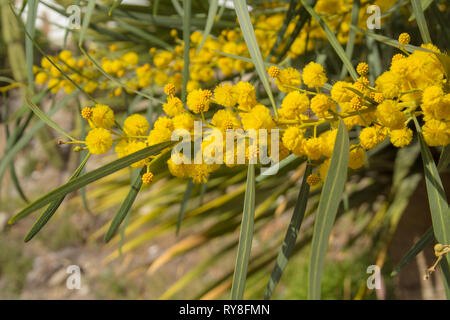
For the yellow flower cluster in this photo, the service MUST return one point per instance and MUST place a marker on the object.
(412, 90)
(207, 66)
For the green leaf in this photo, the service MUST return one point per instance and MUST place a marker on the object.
(30, 26)
(444, 159)
(424, 240)
(86, 20)
(187, 46)
(327, 210)
(291, 235)
(186, 196)
(47, 214)
(425, 5)
(351, 36)
(421, 22)
(212, 11)
(245, 237)
(250, 39)
(126, 204)
(333, 41)
(178, 7)
(90, 177)
(115, 5)
(45, 118)
(440, 214)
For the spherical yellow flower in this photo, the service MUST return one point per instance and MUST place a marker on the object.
(340, 93)
(99, 141)
(389, 84)
(356, 103)
(65, 55)
(245, 95)
(135, 125)
(274, 71)
(225, 119)
(183, 121)
(436, 133)
(288, 78)
(294, 104)
(258, 118)
(292, 140)
(162, 131)
(314, 75)
(223, 95)
(313, 148)
(362, 68)
(320, 105)
(198, 100)
(388, 114)
(378, 97)
(102, 117)
(199, 172)
(435, 104)
(177, 170)
(401, 137)
(130, 58)
(86, 113)
(41, 78)
(173, 107)
(397, 56)
(313, 179)
(147, 178)
(357, 158)
(404, 38)
(370, 137)
(169, 89)
(162, 59)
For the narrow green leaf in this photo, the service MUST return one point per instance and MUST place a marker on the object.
(16, 182)
(45, 118)
(351, 36)
(90, 177)
(421, 22)
(187, 46)
(115, 5)
(245, 237)
(186, 197)
(440, 214)
(250, 39)
(333, 41)
(445, 269)
(327, 210)
(178, 7)
(30, 26)
(126, 204)
(425, 5)
(212, 11)
(444, 159)
(86, 20)
(291, 235)
(424, 240)
(47, 214)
